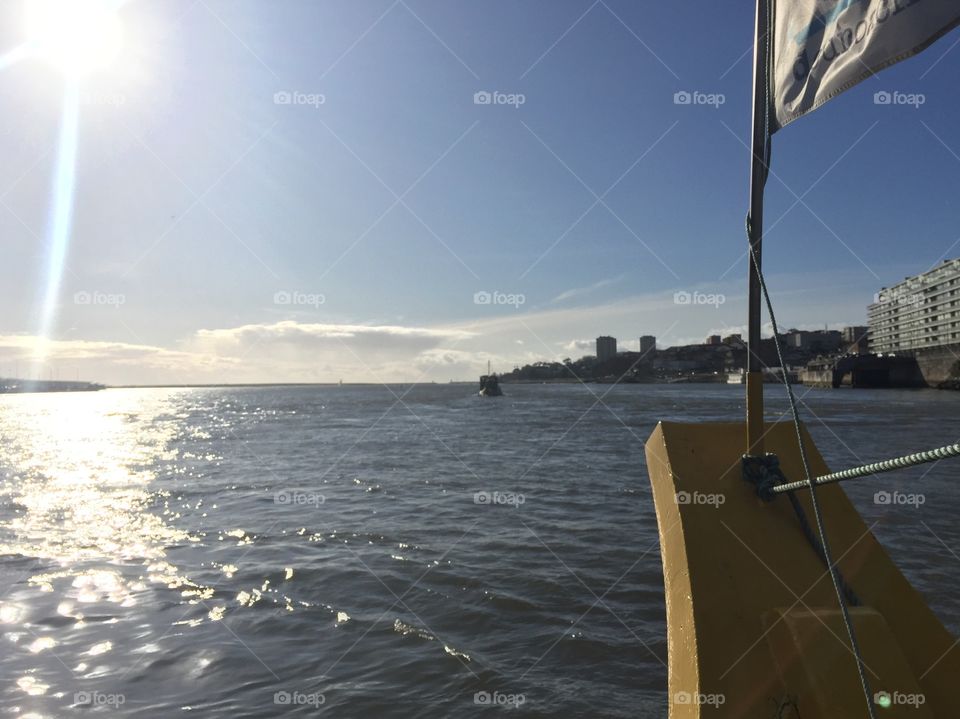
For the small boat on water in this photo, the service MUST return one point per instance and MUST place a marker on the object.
(781, 602)
(490, 384)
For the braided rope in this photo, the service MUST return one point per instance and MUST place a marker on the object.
(888, 465)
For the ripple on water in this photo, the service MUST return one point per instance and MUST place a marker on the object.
(145, 547)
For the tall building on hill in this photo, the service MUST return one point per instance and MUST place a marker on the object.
(606, 348)
(648, 343)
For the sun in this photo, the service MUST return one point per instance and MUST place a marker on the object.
(77, 36)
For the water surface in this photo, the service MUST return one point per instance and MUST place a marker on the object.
(253, 552)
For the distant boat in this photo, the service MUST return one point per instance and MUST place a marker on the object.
(490, 384)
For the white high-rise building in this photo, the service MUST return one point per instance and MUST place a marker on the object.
(922, 311)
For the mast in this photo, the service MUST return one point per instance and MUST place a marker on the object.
(758, 176)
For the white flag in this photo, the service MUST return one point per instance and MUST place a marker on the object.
(823, 47)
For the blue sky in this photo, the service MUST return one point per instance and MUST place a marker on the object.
(202, 203)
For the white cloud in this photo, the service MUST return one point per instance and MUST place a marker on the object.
(308, 336)
(581, 291)
(280, 352)
(113, 362)
(580, 347)
(326, 352)
(28, 348)
(292, 351)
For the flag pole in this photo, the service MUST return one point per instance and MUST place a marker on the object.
(758, 176)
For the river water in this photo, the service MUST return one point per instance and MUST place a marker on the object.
(382, 551)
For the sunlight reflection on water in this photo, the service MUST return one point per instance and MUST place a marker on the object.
(78, 471)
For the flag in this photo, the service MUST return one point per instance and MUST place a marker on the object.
(823, 47)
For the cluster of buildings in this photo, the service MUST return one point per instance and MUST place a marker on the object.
(718, 354)
(607, 347)
(912, 338)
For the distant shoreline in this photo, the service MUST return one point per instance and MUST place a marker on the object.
(278, 384)
(470, 383)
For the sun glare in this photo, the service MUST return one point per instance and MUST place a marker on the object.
(78, 36)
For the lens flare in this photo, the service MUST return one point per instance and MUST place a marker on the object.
(77, 36)
(61, 217)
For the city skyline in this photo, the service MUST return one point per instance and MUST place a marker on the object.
(404, 192)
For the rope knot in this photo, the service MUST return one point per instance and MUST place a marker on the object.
(764, 473)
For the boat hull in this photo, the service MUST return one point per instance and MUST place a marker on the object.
(754, 629)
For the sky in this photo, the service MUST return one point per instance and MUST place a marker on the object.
(306, 191)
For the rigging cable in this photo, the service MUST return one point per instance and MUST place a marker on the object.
(838, 583)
